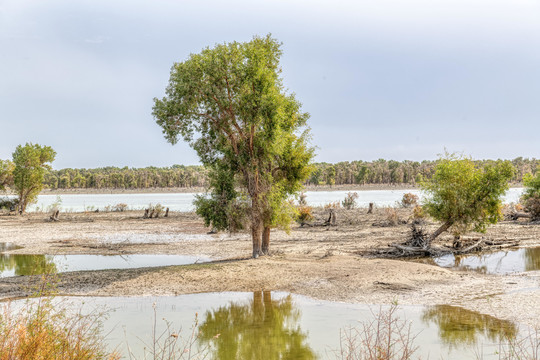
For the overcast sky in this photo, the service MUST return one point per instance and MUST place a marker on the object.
(394, 79)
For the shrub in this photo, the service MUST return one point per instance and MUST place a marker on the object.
(409, 199)
(121, 207)
(350, 200)
(385, 338)
(391, 216)
(49, 329)
(532, 206)
(304, 214)
(531, 195)
(464, 197)
(418, 213)
(8, 204)
(332, 205)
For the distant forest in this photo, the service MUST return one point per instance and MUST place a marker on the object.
(385, 172)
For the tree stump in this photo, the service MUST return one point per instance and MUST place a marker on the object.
(331, 218)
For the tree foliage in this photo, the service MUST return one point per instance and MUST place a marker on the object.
(30, 162)
(465, 197)
(531, 195)
(6, 174)
(385, 172)
(229, 104)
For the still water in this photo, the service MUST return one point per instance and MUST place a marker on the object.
(265, 325)
(19, 264)
(184, 201)
(499, 262)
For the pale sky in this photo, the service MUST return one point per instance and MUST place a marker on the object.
(381, 78)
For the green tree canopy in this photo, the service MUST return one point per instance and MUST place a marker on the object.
(465, 197)
(229, 103)
(6, 174)
(30, 166)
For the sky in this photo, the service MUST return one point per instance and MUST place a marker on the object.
(393, 79)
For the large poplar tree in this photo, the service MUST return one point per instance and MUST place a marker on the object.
(230, 104)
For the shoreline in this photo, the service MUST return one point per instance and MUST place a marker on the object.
(335, 264)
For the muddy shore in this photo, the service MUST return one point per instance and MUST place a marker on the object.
(329, 263)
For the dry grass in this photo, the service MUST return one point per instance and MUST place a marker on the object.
(46, 329)
(384, 338)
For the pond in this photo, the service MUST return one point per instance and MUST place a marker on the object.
(184, 201)
(499, 262)
(21, 264)
(270, 325)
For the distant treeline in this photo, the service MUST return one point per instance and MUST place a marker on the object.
(384, 172)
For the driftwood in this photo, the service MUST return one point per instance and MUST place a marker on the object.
(331, 218)
(54, 216)
(517, 215)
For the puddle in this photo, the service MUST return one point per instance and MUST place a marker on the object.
(500, 262)
(270, 325)
(19, 264)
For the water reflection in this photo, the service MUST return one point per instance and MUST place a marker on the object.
(458, 326)
(26, 265)
(8, 246)
(262, 329)
(499, 262)
(17, 264)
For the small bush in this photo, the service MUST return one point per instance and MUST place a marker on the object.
(391, 216)
(409, 199)
(332, 205)
(350, 200)
(532, 206)
(418, 213)
(304, 214)
(302, 199)
(48, 329)
(121, 207)
(385, 338)
(8, 204)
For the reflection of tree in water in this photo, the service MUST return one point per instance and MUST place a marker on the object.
(461, 326)
(262, 329)
(532, 259)
(460, 259)
(27, 264)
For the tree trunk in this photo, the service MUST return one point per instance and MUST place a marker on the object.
(266, 241)
(256, 226)
(438, 232)
(370, 210)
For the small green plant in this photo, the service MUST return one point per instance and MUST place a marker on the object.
(350, 200)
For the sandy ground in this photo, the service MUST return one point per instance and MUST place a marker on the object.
(330, 263)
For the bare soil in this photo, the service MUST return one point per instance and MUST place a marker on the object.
(332, 263)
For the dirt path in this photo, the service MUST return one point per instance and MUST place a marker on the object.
(323, 263)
